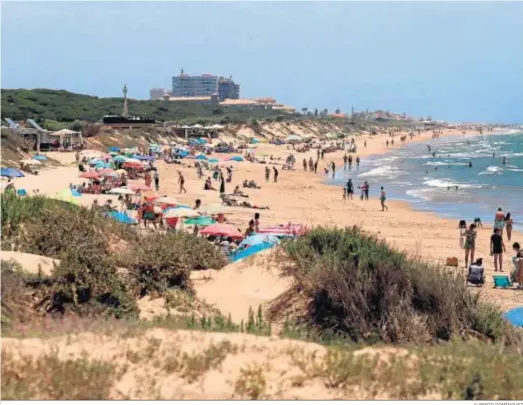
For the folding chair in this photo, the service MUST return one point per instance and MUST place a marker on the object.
(502, 282)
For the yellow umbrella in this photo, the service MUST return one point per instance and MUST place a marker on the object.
(121, 171)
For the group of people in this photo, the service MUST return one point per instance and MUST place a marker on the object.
(468, 237)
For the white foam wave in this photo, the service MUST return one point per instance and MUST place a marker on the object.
(492, 170)
(516, 170)
(388, 172)
(446, 183)
(420, 193)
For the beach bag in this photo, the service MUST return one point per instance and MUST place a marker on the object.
(452, 261)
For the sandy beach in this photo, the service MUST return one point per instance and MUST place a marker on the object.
(301, 197)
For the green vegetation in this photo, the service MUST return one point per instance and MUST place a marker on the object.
(358, 287)
(90, 247)
(56, 109)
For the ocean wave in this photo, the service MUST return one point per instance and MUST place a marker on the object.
(388, 172)
(492, 170)
(446, 183)
(515, 170)
(443, 163)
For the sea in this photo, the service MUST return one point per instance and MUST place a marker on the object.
(462, 177)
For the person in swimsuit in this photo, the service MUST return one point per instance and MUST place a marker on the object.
(462, 233)
(470, 244)
(383, 198)
(350, 189)
(497, 248)
(499, 220)
(508, 226)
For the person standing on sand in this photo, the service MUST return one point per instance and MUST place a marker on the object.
(350, 162)
(156, 177)
(345, 162)
(497, 248)
(365, 144)
(257, 222)
(275, 174)
(366, 190)
(311, 164)
(350, 189)
(357, 162)
(383, 198)
(315, 167)
(499, 220)
(333, 165)
(387, 143)
(470, 244)
(304, 164)
(181, 182)
(267, 174)
(508, 226)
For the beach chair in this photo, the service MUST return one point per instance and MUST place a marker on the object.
(502, 282)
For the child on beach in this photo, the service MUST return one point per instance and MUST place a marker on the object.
(497, 247)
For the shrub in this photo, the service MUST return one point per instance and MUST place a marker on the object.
(356, 285)
(165, 261)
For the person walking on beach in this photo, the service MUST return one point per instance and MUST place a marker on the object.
(267, 174)
(508, 226)
(275, 174)
(350, 162)
(499, 220)
(497, 248)
(357, 162)
(156, 177)
(181, 182)
(365, 144)
(311, 164)
(470, 244)
(315, 167)
(350, 189)
(304, 164)
(387, 143)
(383, 198)
(366, 190)
(345, 162)
(333, 165)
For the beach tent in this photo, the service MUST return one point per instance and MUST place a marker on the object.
(9, 172)
(122, 217)
(258, 239)
(236, 159)
(63, 132)
(225, 230)
(252, 250)
(515, 316)
(200, 221)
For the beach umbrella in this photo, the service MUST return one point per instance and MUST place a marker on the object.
(140, 187)
(216, 209)
(167, 200)
(236, 159)
(180, 212)
(114, 149)
(258, 239)
(90, 176)
(31, 162)
(217, 126)
(121, 171)
(197, 126)
(93, 162)
(40, 157)
(200, 221)
(120, 158)
(9, 172)
(133, 165)
(201, 157)
(225, 230)
(213, 160)
(113, 154)
(102, 165)
(121, 190)
(515, 316)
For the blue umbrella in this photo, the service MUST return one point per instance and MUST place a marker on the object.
(213, 160)
(102, 165)
(201, 157)
(142, 157)
(258, 239)
(95, 161)
(40, 157)
(9, 172)
(114, 149)
(515, 316)
(236, 158)
(120, 158)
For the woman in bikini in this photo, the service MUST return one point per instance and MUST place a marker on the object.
(470, 244)
(508, 226)
(499, 221)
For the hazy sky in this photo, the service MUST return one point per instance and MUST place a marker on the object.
(456, 61)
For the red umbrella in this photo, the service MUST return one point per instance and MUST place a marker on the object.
(218, 229)
(133, 165)
(90, 176)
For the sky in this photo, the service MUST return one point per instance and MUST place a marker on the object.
(458, 61)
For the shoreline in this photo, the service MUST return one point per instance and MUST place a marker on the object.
(302, 197)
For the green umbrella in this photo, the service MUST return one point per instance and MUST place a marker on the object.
(201, 221)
